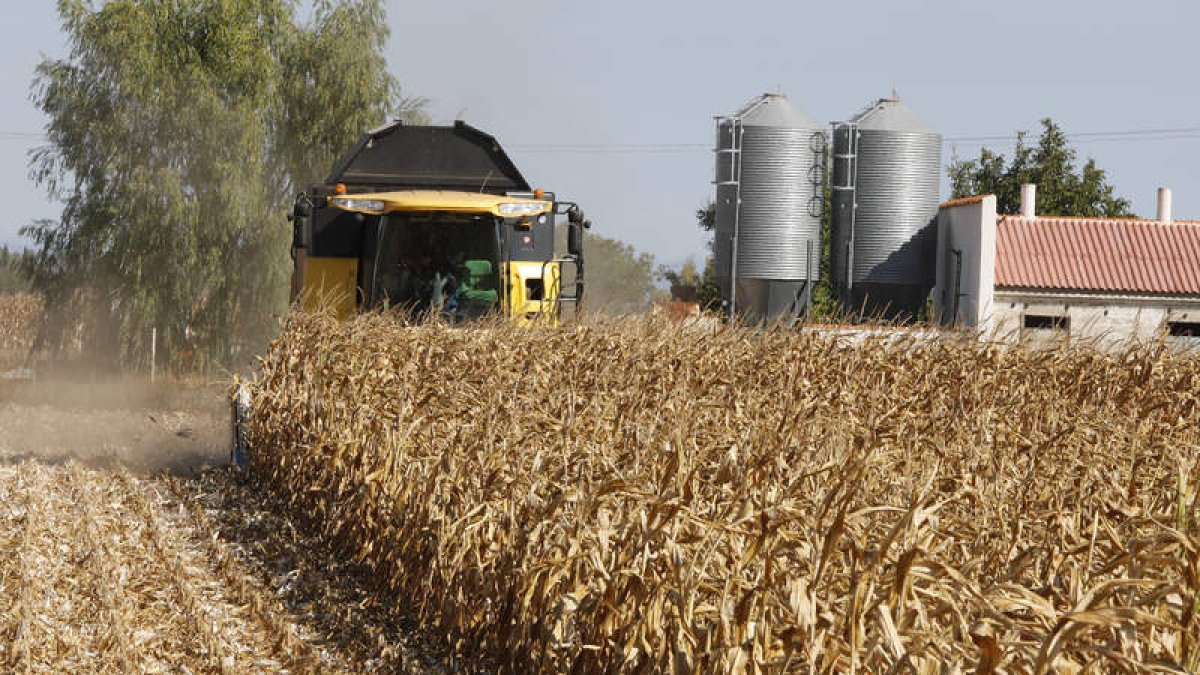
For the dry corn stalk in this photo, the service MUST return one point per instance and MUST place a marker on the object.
(638, 497)
(20, 316)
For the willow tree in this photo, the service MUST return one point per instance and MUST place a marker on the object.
(177, 132)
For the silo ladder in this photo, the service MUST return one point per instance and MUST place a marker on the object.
(849, 158)
(734, 151)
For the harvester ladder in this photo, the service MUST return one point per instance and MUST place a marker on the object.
(556, 291)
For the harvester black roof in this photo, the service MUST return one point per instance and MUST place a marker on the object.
(400, 156)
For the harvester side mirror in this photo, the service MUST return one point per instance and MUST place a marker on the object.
(301, 218)
(575, 238)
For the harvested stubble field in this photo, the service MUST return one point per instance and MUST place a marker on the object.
(110, 565)
(638, 498)
(97, 579)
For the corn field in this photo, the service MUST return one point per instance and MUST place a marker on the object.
(633, 497)
(19, 317)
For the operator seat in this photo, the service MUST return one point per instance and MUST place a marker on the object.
(477, 290)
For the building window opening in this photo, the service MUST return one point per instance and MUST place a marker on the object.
(1044, 322)
(1184, 329)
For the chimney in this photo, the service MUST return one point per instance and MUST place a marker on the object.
(1164, 205)
(1028, 200)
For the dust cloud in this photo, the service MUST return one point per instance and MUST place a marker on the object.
(111, 421)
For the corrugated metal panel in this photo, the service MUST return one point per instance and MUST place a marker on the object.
(779, 228)
(1096, 254)
(779, 221)
(897, 197)
(896, 183)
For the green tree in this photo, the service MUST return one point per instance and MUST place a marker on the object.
(706, 219)
(692, 284)
(13, 278)
(687, 281)
(708, 293)
(683, 281)
(618, 278)
(178, 131)
(1050, 163)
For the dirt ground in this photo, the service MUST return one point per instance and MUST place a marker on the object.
(145, 429)
(127, 545)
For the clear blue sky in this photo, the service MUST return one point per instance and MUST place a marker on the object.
(591, 79)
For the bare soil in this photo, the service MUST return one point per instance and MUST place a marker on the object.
(101, 426)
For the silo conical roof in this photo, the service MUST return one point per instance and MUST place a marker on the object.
(774, 110)
(889, 114)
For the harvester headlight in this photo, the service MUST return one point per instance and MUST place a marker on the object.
(516, 209)
(364, 205)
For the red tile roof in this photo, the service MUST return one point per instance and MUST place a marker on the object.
(1099, 254)
(962, 201)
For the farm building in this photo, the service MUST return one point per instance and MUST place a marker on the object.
(1109, 279)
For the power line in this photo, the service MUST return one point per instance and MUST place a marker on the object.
(1086, 134)
(1165, 134)
(1180, 133)
(614, 149)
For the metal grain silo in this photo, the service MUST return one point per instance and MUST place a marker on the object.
(886, 170)
(770, 170)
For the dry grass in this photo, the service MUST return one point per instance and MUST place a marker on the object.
(634, 497)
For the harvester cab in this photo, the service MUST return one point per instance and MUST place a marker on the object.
(434, 220)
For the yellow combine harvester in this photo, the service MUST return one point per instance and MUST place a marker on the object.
(435, 221)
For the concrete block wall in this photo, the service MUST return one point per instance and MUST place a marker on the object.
(1105, 319)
